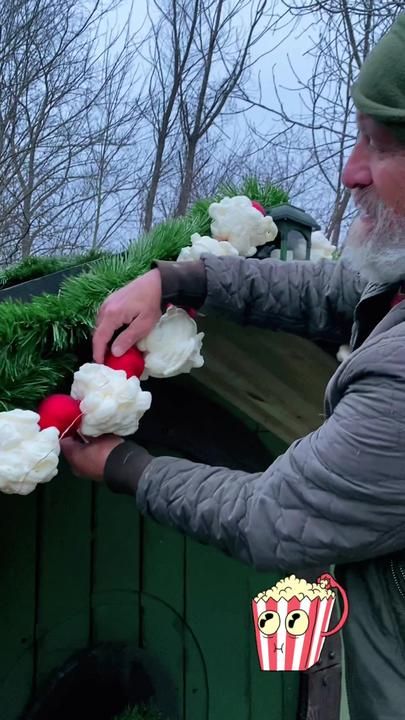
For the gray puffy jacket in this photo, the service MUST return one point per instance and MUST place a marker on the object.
(337, 496)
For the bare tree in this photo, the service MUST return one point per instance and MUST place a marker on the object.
(67, 121)
(231, 160)
(202, 51)
(173, 25)
(113, 168)
(222, 61)
(340, 36)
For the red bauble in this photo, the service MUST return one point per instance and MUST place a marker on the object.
(132, 362)
(258, 207)
(62, 412)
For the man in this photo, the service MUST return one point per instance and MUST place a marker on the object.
(336, 496)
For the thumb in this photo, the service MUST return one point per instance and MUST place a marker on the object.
(70, 448)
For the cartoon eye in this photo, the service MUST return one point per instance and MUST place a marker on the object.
(268, 622)
(297, 622)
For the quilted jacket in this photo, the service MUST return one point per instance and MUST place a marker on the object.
(337, 496)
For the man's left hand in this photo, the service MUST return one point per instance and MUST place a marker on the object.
(89, 459)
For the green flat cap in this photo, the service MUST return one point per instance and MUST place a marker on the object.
(379, 90)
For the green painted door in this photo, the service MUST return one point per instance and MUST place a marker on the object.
(80, 567)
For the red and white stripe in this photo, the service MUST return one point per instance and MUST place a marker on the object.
(325, 607)
(283, 651)
(264, 649)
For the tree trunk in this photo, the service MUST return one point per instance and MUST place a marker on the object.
(335, 222)
(154, 183)
(187, 184)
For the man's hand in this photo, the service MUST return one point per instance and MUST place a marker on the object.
(89, 459)
(137, 305)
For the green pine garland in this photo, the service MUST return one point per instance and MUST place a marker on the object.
(40, 340)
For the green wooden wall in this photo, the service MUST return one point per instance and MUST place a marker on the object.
(80, 566)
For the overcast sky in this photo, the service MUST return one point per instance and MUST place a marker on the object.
(285, 45)
(294, 45)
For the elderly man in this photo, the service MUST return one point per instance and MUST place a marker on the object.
(336, 496)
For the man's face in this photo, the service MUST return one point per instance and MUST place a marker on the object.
(375, 172)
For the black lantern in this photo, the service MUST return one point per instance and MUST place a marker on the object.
(291, 222)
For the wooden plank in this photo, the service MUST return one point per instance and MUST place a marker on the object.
(291, 694)
(185, 419)
(47, 284)
(17, 601)
(116, 569)
(64, 572)
(276, 379)
(218, 611)
(162, 596)
(274, 444)
(190, 382)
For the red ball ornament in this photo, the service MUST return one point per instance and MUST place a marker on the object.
(132, 362)
(258, 207)
(62, 412)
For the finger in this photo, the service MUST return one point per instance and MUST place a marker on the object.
(101, 314)
(71, 449)
(127, 339)
(102, 336)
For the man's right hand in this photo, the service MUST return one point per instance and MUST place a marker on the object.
(136, 305)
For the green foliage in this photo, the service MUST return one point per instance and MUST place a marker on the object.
(35, 267)
(40, 341)
(267, 195)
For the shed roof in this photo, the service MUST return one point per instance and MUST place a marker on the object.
(275, 378)
(291, 212)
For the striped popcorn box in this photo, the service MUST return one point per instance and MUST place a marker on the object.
(291, 622)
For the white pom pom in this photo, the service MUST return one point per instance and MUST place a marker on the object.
(28, 455)
(173, 346)
(343, 353)
(321, 247)
(109, 401)
(201, 244)
(238, 222)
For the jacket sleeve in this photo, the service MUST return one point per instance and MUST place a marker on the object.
(312, 299)
(337, 495)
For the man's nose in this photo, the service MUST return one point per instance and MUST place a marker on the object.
(357, 171)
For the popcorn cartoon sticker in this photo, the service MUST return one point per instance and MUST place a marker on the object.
(291, 621)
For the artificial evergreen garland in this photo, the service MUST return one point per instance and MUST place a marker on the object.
(40, 340)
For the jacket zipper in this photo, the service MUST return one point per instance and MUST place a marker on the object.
(396, 581)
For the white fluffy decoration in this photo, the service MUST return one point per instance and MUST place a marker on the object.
(173, 346)
(343, 353)
(109, 401)
(28, 455)
(201, 244)
(321, 247)
(237, 221)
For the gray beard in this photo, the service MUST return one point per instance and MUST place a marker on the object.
(377, 255)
